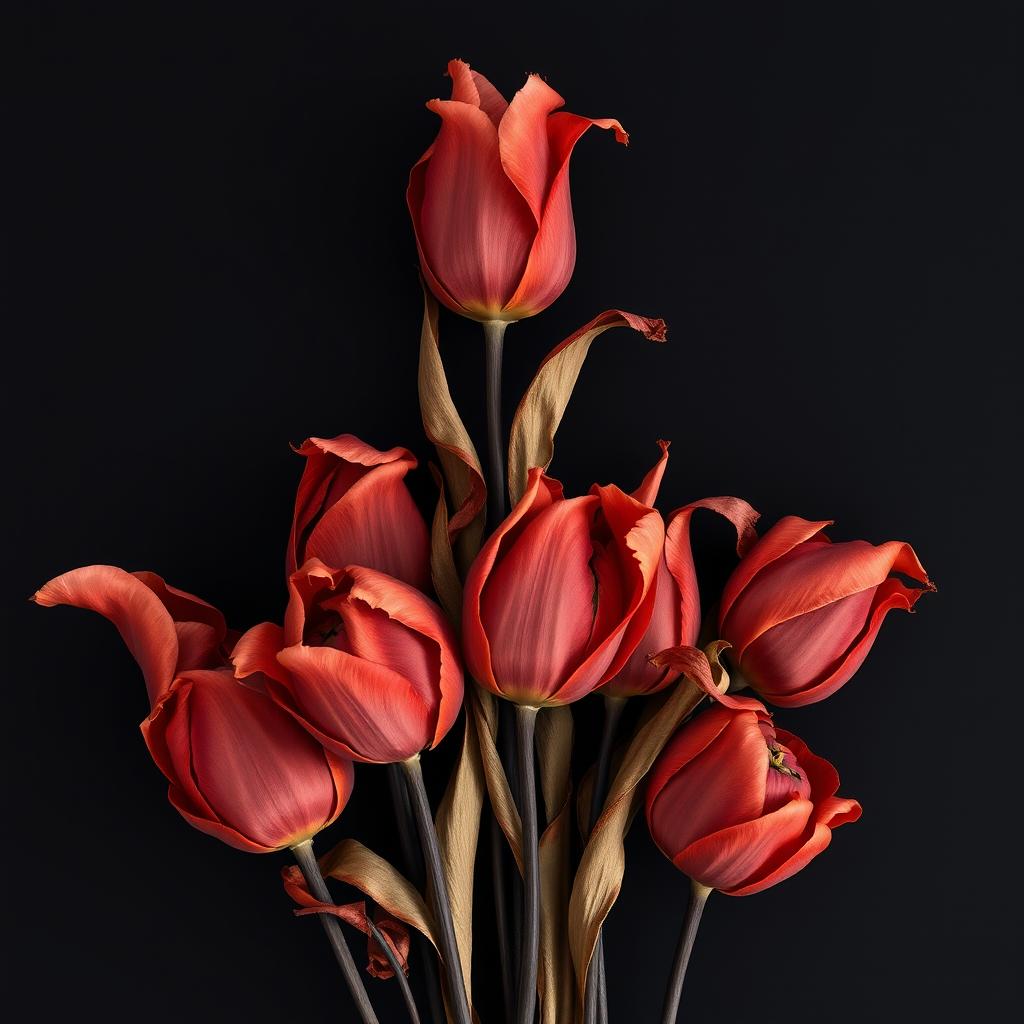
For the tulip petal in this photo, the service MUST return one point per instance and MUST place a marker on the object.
(553, 253)
(785, 535)
(461, 196)
(254, 766)
(638, 536)
(470, 86)
(790, 862)
(647, 492)
(255, 654)
(812, 578)
(540, 492)
(734, 857)
(892, 594)
(353, 507)
(697, 804)
(421, 645)
(357, 709)
(524, 144)
(538, 603)
(145, 624)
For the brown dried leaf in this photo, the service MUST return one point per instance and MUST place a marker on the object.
(532, 441)
(458, 827)
(599, 878)
(446, 431)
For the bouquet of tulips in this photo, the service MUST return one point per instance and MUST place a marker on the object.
(490, 623)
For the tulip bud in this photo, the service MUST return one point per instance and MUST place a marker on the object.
(365, 663)
(801, 613)
(739, 806)
(353, 507)
(239, 768)
(489, 199)
(555, 602)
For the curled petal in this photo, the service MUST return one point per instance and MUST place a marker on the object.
(133, 604)
(255, 654)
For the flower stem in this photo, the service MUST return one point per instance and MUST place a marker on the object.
(526, 721)
(596, 996)
(494, 339)
(430, 983)
(392, 958)
(332, 926)
(698, 897)
(457, 1001)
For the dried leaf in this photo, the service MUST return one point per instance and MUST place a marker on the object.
(445, 576)
(532, 441)
(458, 827)
(554, 754)
(446, 431)
(599, 878)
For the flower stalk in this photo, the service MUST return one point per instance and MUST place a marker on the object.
(698, 897)
(457, 1001)
(306, 860)
(526, 721)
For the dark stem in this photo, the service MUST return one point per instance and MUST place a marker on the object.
(403, 981)
(501, 915)
(494, 338)
(429, 982)
(698, 897)
(526, 721)
(457, 1001)
(507, 750)
(332, 927)
(596, 995)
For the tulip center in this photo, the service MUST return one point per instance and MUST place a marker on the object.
(777, 760)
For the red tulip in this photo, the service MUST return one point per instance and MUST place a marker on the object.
(801, 613)
(675, 596)
(490, 198)
(365, 663)
(238, 767)
(353, 507)
(555, 603)
(739, 806)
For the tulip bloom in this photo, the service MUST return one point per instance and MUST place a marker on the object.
(555, 602)
(738, 806)
(490, 201)
(801, 613)
(365, 663)
(238, 767)
(675, 597)
(353, 507)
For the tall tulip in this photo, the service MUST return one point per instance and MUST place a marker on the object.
(489, 199)
(238, 768)
(353, 507)
(738, 806)
(801, 613)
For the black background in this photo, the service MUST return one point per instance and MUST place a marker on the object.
(210, 257)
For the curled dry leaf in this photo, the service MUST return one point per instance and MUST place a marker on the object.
(599, 878)
(354, 864)
(532, 441)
